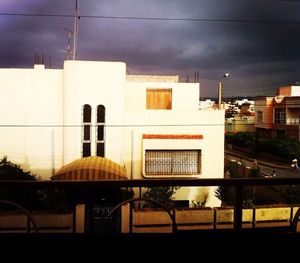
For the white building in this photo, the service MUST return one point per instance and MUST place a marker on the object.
(149, 124)
(207, 104)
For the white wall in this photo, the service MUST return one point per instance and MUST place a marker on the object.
(185, 96)
(93, 83)
(184, 118)
(210, 124)
(31, 103)
(295, 90)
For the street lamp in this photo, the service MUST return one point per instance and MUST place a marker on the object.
(220, 91)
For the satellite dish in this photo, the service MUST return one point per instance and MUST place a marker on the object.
(278, 99)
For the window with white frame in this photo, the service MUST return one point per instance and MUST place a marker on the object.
(172, 162)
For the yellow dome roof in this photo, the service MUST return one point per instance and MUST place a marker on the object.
(91, 168)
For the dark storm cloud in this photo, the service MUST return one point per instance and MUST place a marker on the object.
(259, 55)
(23, 37)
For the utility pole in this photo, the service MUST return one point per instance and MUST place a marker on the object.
(220, 91)
(220, 95)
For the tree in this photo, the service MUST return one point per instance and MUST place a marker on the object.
(9, 171)
(284, 148)
(291, 194)
(230, 112)
(227, 193)
(161, 194)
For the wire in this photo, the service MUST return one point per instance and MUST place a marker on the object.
(157, 18)
(106, 125)
(112, 125)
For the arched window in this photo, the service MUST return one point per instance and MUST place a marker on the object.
(86, 130)
(100, 138)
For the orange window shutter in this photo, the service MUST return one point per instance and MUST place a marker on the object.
(159, 99)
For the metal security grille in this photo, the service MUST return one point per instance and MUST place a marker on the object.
(172, 162)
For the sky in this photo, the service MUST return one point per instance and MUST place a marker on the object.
(256, 41)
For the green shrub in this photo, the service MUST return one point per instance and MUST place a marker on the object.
(227, 193)
(291, 194)
(160, 194)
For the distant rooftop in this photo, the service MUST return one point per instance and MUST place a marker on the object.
(152, 78)
(288, 91)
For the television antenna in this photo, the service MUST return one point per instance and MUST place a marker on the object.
(75, 31)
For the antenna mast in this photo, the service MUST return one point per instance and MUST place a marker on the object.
(76, 25)
(68, 56)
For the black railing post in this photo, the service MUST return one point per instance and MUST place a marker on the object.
(130, 218)
(238, 210)
(74, 219)
(28, 225)
(295, 221)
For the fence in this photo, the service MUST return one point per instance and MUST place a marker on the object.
(47, 222)
(158, 221)
(233, 218)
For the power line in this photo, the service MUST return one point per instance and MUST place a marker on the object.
(106, 125)
(293, 127)
(156, 18)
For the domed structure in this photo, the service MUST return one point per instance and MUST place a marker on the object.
(91, 168)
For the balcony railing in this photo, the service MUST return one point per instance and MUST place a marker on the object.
(109, 185)
(292, 121)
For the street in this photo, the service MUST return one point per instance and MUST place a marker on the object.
(265, 168)
(267, 194)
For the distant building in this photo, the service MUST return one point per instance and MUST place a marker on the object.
(240, 123)
(152, 125)
(206, 104)
(239, 103)
(239, 116)
(280, 115)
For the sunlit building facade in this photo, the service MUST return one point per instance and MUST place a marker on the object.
(279, 116)
(152, 125)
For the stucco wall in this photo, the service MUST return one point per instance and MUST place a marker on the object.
(93, 83)
(265, 105)
(295, 91)
(210, 124)
(185, 96)
(31, 118)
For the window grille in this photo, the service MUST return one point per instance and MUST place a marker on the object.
(172, 162)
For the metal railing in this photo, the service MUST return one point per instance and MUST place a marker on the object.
(30, 219)
(238, 183)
